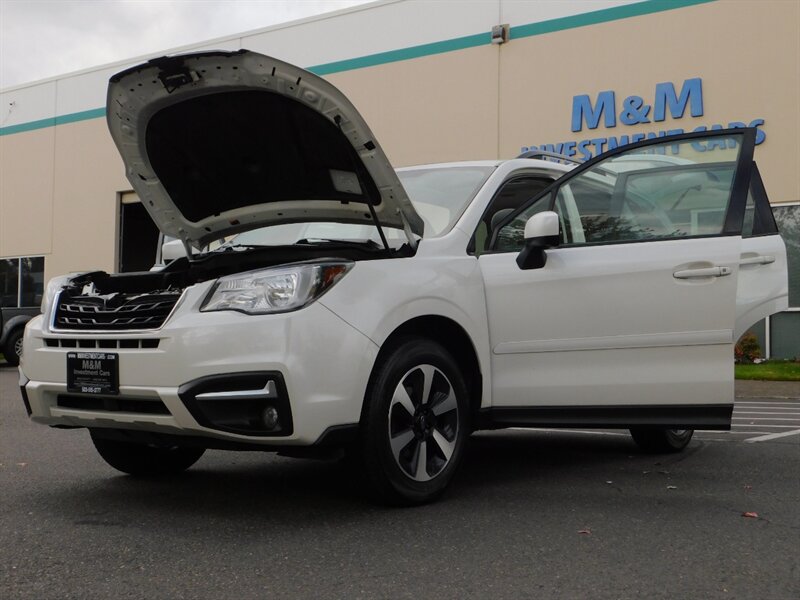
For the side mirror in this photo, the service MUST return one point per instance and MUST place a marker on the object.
(171, 250)
(541, 232)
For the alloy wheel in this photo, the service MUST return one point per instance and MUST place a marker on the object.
(423, 422)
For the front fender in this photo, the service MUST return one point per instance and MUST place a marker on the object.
(377, 297)
(12, 324)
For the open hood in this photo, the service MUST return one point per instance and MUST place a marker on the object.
(220, 142)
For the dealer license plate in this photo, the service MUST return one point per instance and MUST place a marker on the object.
(93, 372)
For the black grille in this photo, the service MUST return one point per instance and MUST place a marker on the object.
(131, 343)
(95, 313)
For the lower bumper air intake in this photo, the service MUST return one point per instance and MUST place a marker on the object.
(252, 403)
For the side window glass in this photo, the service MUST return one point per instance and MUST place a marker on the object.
(749, 215)
(763, 219)
(511, 195)
(9, 282)
(788, 219)
(21, 281)
(32, 280)
(587, 203)
(673, 190)
(511, 237)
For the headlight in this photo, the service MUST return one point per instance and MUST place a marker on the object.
(275, 290)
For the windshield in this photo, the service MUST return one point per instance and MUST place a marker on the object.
(440, 195)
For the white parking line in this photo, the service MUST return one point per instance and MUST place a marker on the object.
(762, 412)
(769, 400)
(748, 402)
(723, 432)
(764, 419)
(763, 425)
(761, 435)
(786, 405)
(559, 430)
(773, 436)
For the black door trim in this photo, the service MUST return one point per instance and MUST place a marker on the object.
(668, 416)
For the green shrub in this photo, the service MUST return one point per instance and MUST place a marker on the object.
(747, 348)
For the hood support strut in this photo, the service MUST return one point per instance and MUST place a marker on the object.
(187, 247)
(378, 225)
(409, 234)
(338, 120)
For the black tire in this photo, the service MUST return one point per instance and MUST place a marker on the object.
(143, 460)
(13, 348)
(437, 431)
(661, 441)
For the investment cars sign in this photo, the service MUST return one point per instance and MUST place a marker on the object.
(667, 100)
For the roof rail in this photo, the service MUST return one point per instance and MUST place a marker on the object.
(544, 154)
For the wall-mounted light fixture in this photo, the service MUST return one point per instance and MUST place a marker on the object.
(500, 34)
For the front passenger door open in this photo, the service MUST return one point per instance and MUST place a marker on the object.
(609, 331)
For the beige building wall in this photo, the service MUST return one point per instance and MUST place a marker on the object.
(433, 109)
(26, 193)
(60, 186)
(59, 196)
(85, 199)
(489, 102)
(746, 52)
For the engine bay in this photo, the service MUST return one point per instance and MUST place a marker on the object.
(144, 300)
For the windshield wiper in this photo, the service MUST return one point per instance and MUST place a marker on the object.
(225, 248)
(371, 244)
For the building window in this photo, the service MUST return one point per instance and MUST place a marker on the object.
(21, 281)
(784, 328)
(788, 218)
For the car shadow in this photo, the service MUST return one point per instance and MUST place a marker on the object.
(249, 489)
(502, 457)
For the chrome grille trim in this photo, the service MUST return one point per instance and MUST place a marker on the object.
(87, 324)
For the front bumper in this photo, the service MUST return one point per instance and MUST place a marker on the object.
(323, 365)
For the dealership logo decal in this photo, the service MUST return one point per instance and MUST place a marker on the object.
(634, 110)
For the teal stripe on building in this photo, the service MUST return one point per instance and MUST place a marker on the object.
(461, 43)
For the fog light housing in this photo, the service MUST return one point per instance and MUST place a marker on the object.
(250, 403)
(270, 417)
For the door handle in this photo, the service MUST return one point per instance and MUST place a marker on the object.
(757, 260)
(704, 272)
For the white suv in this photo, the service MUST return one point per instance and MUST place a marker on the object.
(425, 304)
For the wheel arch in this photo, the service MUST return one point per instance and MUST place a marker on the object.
(454, 338)
(11, 325)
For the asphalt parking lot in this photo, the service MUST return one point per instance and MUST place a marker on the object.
(533, 514)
